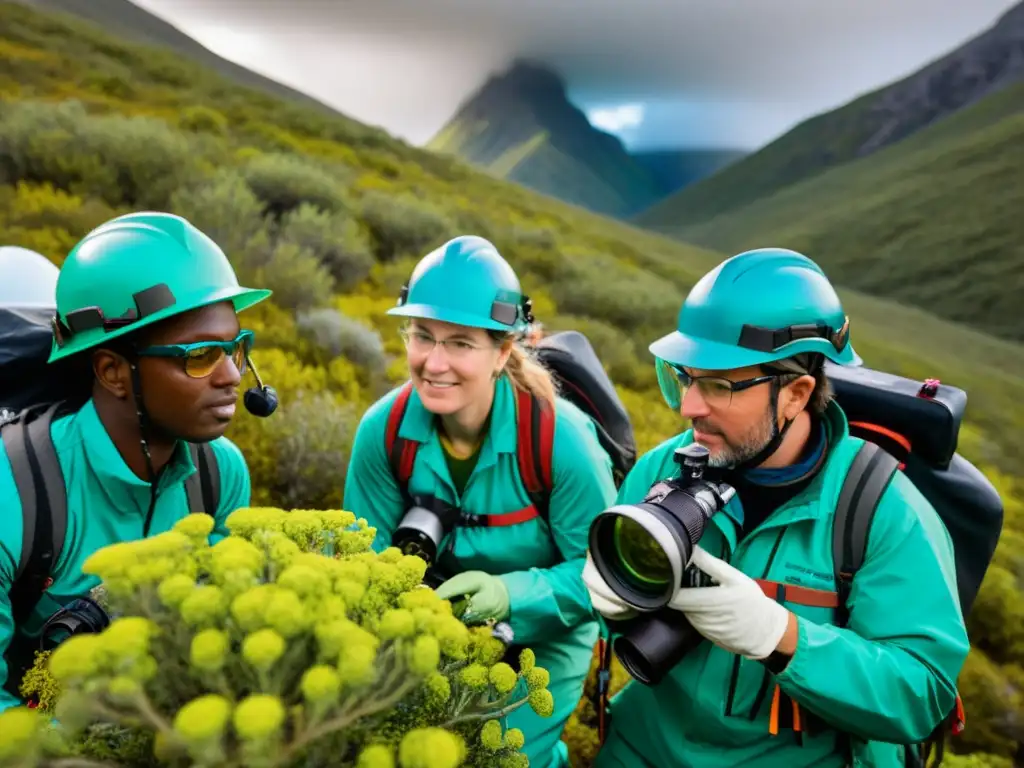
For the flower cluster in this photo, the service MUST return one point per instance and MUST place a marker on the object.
(287, 642)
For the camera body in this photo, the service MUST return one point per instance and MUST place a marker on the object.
(642, 552)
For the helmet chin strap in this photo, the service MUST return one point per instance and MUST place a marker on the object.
(778, 434)
(143, 416)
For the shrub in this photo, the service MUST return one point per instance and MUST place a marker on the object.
(287, 643)
(313, 436)
(601, 287)
(200, 119)
(132, 161)
(226, 209)
(296, 276)
(338, 335)
(335, 239)
(284, 182)
(403, 225)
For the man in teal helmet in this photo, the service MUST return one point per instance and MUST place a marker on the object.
(779, 682)
(439, 467)
(146, 308)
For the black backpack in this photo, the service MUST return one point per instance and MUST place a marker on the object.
(32, 395)
(583, 381)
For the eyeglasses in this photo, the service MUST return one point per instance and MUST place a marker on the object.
(201, 358)
(716, 391)
(421, 343)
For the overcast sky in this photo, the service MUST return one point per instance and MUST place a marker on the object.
(725, 73)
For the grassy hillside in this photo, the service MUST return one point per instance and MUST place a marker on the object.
(130, 22)
(907, 221)
(332, 215)
(868, 123)
(521, 126)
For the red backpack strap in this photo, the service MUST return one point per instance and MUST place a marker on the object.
(401, 452)
(535, 435)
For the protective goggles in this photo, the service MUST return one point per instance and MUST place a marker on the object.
(201, 358)
(717, 391)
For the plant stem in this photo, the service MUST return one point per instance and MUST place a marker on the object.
(153, 717)
(486, 715)
(77, 762)
(346, 719)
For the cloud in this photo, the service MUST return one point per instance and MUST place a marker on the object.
(731, 71)
(617, 119)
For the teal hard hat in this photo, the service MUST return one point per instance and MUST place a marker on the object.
(757, 307)
(466, 282)
(136, 270)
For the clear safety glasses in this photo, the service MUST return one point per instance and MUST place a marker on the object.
(420, 343)
(716, 391)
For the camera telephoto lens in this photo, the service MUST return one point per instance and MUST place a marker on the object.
(642, 550)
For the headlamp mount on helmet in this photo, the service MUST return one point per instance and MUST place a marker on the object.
(504, 312)
(772, 340)
(147, 302)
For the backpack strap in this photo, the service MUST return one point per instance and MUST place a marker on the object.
(535, 435)
(40, 483)
(869, 475)
(400, 451)
(203, 486)
(535, 431)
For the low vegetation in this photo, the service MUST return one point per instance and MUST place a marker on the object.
(332, 215)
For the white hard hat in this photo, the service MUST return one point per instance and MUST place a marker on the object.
(27, 278)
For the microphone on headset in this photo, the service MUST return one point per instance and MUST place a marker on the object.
(259, 400)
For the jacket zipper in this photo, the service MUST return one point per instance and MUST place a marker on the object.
(737, 659)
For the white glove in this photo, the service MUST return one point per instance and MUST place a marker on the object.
(735, 614)
(605, 602)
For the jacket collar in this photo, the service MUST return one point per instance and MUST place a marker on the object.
(421, 426)
(817, 500)
(106, 462)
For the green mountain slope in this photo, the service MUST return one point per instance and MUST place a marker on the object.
(520, 126)
(134, 24)
(933, 221)
(989, 62)
(332, 215)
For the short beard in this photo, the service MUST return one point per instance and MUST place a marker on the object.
(736, 452)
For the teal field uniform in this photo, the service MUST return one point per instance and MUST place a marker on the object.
(542, 569)
(106, 503)
(889, 677)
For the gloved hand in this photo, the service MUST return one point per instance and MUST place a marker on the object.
(488, 595)
(604, 600)
(734, 614)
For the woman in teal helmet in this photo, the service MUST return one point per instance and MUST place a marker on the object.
(475, 404)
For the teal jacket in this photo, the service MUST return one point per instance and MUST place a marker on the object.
(107, 503)
(542, 568)
(890, 676)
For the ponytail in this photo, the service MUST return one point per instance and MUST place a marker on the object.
(529, 375)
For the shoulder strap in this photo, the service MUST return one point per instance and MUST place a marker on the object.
(40, 483)
(401, 452)
(869, 475)
(203, 487)
(535, 433)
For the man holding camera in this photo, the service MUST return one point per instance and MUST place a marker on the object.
(760, 657)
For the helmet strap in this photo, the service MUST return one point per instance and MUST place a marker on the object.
(140, 411)
(778, 434)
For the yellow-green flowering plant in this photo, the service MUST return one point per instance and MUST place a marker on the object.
(288, 643)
